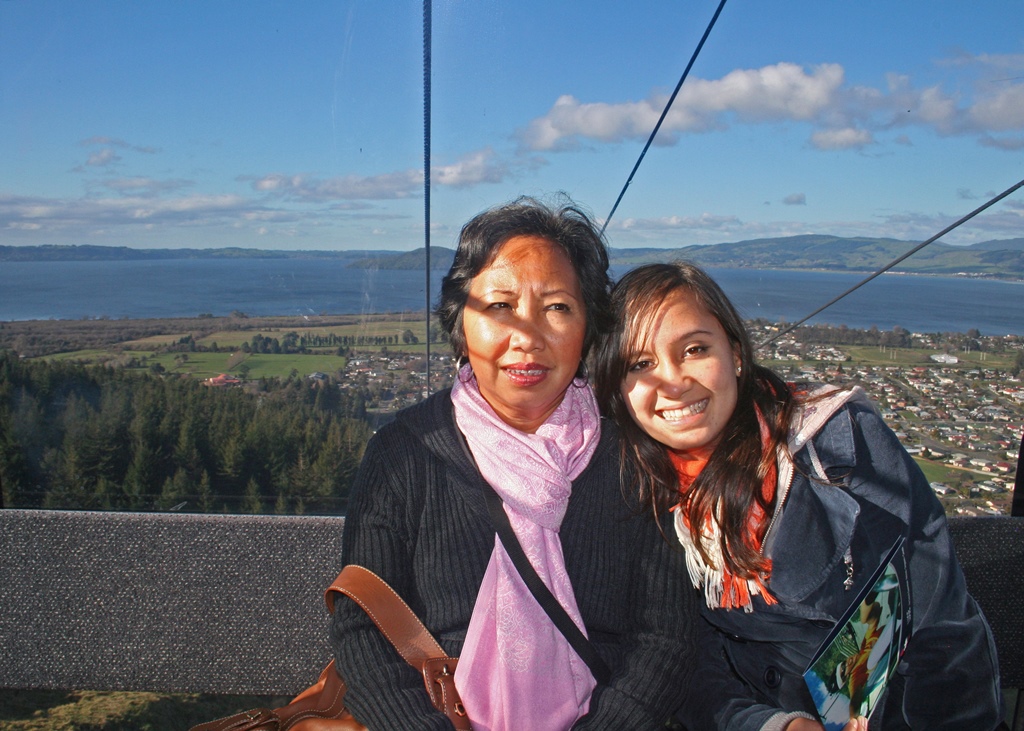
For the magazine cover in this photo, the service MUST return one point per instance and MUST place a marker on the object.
(850, 670)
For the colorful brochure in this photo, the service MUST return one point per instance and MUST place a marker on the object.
(851, 668)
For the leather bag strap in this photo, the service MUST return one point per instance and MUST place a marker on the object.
(393, 617)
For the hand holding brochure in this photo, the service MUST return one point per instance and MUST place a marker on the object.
(851, 668)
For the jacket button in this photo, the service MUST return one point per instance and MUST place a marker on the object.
(772, 676)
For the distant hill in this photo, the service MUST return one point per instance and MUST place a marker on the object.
(834, 253)
(819, 252)
(1011, 244)
(997, 258)
(440, 258)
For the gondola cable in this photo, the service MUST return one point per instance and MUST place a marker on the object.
(664, 113)
(894, 262)
(427, 25)
(831, 302)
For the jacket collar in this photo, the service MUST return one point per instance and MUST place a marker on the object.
(816, 524)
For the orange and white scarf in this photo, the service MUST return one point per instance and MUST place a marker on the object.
(722, 588)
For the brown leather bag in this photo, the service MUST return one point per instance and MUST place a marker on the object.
(321, 707)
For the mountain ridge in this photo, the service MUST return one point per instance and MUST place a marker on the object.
(996, 258)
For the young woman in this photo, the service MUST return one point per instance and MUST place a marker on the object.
(525, 298)
(786, 501)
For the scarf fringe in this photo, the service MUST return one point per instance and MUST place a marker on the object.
(722, 590)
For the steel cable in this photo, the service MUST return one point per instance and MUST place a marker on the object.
(896, 261)
(664, 113)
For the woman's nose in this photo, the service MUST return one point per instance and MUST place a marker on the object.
(670, 377)
(526, 335)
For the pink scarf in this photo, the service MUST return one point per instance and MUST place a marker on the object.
(516, 670)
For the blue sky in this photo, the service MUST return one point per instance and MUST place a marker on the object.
(298, 125)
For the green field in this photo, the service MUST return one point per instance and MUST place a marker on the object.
(24, 710)
(938, 472)
(873, 356)
(159, 349)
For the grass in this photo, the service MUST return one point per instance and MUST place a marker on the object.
(208, 364)
(394, 326)
(937, 472)
(270, 366)
(25, 710)
(872, 356)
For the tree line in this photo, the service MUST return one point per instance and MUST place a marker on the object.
(90, 437)
(292, 343)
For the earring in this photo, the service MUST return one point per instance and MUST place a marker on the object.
(739, 370)
(583, 372)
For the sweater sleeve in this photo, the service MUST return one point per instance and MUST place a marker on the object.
(383, 691)
(949, 630)
(659, 647)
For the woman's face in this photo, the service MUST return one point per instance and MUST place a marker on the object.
(524, 323)
(681, 387)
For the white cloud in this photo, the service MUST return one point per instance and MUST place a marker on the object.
(783, 91)
(481, 166)
(710, 228)
(841, 116)
(569, 120)
(142, 186)
(276, 181)
(387, 186)
(795, 199)
(707, 228)
(1002, 143)
(116, 142)
(841, 139)
(779, 92)
(102, 158)
(473, 169)
(1003, 110)
(999, 61)
(51, 213)
(703, 222)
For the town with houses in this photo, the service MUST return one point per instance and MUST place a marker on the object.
(964, 421)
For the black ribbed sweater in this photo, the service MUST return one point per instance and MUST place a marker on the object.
(417, 518)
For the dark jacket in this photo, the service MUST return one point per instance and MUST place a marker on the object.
(419, 520)
(948, 677)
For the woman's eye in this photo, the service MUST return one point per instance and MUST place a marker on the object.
(695, 350)
(640, 366)
(499, 305)
(560, 307)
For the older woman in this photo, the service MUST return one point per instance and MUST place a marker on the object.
(525, 299)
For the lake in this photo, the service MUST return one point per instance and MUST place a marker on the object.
(189, 287)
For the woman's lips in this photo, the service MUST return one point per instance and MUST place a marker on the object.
(526, 374)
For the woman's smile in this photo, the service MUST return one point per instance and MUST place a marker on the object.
(680, 413)
(526, 374)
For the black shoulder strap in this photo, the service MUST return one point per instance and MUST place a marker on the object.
(584, 648)
(561, 619)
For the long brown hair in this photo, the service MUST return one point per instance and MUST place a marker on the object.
(731, 483)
